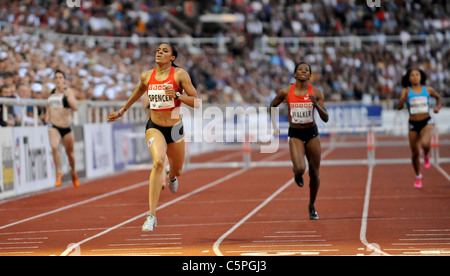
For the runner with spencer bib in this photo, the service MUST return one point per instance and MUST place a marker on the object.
(164, 130)
(302, 98)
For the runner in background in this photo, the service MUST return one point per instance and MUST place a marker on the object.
(60, 105)
(302, 99)
(417, 98)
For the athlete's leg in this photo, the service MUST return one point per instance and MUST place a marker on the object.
(297, 151)
(425, 138)
(158, 147)
(55, 138)
(175, 154)
(414, 144)
(313, 154)
(68, 142)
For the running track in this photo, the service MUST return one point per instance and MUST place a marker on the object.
(233, 211)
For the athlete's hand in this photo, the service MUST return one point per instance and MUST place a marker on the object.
(276, 132)
(170, 92)
(113, 116)
(436, 109)
(313, 99)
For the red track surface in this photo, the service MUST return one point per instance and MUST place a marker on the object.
(257, 211)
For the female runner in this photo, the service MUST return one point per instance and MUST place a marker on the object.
(60, 105)
(417, 98)
(164, 130)
(302, 98)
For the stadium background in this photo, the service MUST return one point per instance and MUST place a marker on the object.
(238, 53)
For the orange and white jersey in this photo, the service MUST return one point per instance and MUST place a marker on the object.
(159, 101)
(301, 108)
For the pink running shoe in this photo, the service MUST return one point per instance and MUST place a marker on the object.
(426, 162)
(418, 183)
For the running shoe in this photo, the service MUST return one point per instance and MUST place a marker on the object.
(75, 180)
(312, 213)
(299, 180)
(58, 180)
(149, 223)
(426, 162)
(418, 183)
(173, 185)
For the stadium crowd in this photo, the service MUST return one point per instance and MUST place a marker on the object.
(241, 74)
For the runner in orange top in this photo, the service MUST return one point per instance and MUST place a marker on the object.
(164, 134)
(302, 99)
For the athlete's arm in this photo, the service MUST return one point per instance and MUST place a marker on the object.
(318, 101)
(184, 80)
(279, 98)
(47, 114)
(136, 95)
(403, 97)
(70, 94)
(435, 95)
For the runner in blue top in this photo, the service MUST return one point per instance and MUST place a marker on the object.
(417, 98)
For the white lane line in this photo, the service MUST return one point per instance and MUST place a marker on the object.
(444, 173)
(293, 232)
(426, 239)
(18, 252)
(19, 239)
(425, 235)
(430, 230)
(293, 236)
(135, 249)
(21, 242)
(278, 241)
(153, 239)
(217, 243)
(21, 247)
(287, 245)
(277, 192)
(128, 188)
(210, 185)
(141, 244)
(363, 230)
(125, 189)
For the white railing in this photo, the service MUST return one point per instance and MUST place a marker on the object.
(110, 41)
(88, 111)
(263, 43)
(269, 44)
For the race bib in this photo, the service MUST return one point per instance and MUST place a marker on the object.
(56, 101)
(418, 105)
(302, 113)
(158, 97)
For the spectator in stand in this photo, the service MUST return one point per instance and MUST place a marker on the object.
(5, 92)
(365, 70)
(37, 93)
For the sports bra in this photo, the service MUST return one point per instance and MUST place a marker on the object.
(159, 101)
(58, 100)
(418, 103)
(301, 109)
